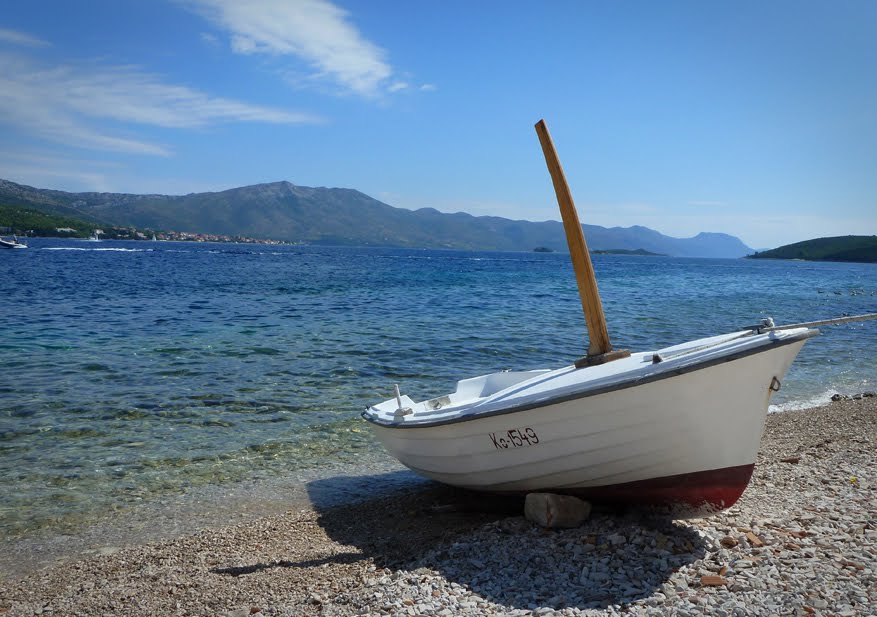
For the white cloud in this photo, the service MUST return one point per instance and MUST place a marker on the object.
(428, 88)
(71, 104)
(315, 31)
(20, 38)
(126, 94)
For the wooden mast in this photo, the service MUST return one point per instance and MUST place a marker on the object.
(599, 348)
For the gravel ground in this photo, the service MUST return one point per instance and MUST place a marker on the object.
(801, 541)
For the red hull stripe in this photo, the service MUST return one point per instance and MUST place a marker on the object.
(714, 489)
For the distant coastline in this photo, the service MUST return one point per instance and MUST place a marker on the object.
(628, 252)
(543, 249)
(29, 223)
(325, 216)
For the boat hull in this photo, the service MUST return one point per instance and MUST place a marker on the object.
(688, 438)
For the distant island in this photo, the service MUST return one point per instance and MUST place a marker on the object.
(861, 249)
(627, 252)
(543, 249)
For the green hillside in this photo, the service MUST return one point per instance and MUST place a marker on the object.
(26, 222)
(23, 221)
(839, 248)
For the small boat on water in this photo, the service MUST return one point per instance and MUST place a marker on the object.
(677, 426)
(12, 244)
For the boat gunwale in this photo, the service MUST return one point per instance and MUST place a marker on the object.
(621, 385)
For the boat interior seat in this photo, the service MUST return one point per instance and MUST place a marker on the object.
(487, 385)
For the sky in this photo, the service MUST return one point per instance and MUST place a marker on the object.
(752, 118)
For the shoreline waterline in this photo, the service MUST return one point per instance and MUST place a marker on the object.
(802, 537)
(213, 506)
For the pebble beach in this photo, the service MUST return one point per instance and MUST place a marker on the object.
(801, 541)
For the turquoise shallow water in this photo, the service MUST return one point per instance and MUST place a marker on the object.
(134, 371)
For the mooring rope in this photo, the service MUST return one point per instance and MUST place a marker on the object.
(822, 322)
(765, 326)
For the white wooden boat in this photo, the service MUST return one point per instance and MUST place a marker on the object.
(679, 426)
(12, 244)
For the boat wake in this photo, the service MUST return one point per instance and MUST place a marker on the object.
(115, 249)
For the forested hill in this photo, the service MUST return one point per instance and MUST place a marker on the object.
(839, 248)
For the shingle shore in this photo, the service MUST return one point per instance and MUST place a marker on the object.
(801, 541)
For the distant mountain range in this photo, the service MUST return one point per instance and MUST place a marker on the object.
(285, 211)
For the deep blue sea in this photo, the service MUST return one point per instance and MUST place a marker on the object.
(130, 371)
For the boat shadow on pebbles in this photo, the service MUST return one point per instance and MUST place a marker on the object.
(449, 547)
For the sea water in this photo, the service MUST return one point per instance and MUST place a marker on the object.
(131, 371)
